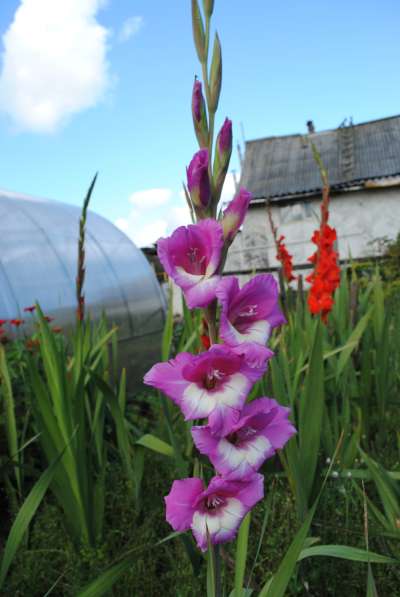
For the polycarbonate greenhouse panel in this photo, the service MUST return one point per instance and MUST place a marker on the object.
(38, 261)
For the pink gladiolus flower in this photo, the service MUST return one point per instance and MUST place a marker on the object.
(219, 509)
(262, 429)
(199, 114)
(198, 181)
(197, 101)
(212, 384)
(248, 314)
(191, 256)
(235, 214)
(224, 139)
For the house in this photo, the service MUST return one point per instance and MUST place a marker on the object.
(363, 164)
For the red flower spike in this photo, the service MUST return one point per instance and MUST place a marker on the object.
(285, 258)
(326, 275)
(282, 254)
(17, 322)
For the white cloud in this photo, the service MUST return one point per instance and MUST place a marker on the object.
(54, 62)
(157, 212)
(145, 227)
(129, 28)
(228, 190)
(150, 198)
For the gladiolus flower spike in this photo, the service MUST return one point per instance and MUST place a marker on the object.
(326, 275)
(285, 258)
(212, 387)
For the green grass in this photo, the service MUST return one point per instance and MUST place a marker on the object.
(49, 557)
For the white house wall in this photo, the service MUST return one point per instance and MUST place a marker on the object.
(361, 218)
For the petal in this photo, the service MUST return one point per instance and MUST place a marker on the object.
(279, 430)
(225, 293)
(233, 462)
(239, 462)
(168, 378)
(252, 491)
(202, 292)
(180, 502)
(197, 402)
(222, 525)
(222, 405)
(228, 404)
(255, 355)
(214, 239)
(263, 290)
(204, 440)
(258, 331)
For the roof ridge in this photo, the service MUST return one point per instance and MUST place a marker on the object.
(325, 131)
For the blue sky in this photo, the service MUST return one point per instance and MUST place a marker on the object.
(106, 85)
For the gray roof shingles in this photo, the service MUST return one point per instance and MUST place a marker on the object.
(278, 167)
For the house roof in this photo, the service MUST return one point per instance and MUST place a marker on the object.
(283, 167)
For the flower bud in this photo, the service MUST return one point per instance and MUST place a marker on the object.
(215, 75)
(223, 150)
(208, 6)
(199, 114)
(234, 214)
(198, 31)
(198, 181)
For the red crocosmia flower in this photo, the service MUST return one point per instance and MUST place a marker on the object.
(17, 322)
(285, 258)
(30, 309)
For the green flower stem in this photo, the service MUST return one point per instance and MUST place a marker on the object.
(210, 314)
(217, 560)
